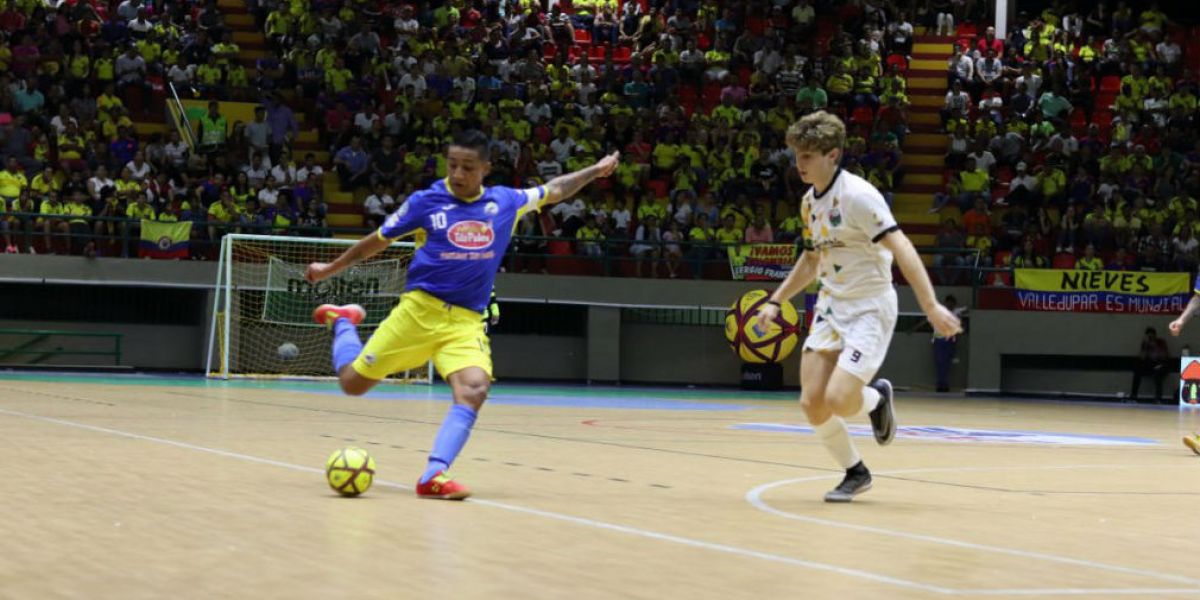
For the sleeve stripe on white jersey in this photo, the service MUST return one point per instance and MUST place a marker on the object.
(884, 233)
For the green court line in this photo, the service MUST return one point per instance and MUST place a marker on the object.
(438, 388)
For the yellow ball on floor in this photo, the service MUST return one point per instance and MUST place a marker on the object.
(350, 471)
(756, 345)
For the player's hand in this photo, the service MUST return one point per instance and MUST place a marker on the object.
(945, 322)
(494, 321)
(317, 271)
(767, 313)
(1176, 327)
(607, 165)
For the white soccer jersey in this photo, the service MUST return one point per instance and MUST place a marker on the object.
(843, 225)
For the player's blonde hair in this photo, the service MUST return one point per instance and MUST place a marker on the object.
(819, 131)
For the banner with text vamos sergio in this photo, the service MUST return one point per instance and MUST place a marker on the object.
(1059, 290)
(761, 262)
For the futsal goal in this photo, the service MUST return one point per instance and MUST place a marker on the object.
(262, 303)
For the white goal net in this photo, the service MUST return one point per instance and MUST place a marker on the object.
(262, 310)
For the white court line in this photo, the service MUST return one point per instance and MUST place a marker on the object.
(744, 552)
(754, 497)
(634, 531)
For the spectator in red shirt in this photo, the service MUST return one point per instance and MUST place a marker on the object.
(989, 41)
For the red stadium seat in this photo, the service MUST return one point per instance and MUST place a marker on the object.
(622, 54)
(1063, 260)
(1110, 83)
(583, 37)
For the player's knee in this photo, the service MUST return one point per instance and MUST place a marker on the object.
(354, 385)
(473, 394)
(472, 390)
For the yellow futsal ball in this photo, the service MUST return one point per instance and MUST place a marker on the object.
(350, 471)
(753, 344)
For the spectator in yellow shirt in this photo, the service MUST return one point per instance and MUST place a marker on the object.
(12, 181)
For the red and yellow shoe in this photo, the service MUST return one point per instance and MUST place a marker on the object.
(326, 314)
(442, 487)
(1193, 442)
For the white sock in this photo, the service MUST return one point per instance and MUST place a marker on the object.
(836, 439)
(871, 397)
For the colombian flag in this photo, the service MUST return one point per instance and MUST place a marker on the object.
(165, 240)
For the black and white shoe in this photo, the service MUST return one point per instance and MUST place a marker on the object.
(857, 481)
(883, 418)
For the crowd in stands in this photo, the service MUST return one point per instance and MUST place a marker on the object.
(77, 177)
(1074, 131)
(697, 94)
(1073, 144)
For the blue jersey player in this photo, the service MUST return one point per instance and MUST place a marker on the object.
(449, 283)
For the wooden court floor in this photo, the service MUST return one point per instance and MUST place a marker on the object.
(151, 487)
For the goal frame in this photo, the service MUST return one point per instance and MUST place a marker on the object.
(216, 362)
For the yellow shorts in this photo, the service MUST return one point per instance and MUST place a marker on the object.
(423, 327)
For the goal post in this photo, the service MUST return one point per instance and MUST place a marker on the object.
(262, 303)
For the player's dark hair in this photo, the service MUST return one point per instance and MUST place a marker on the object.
(473, 139)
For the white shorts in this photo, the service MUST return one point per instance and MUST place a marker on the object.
(860, 329)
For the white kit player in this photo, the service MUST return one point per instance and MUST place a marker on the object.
(851, 238)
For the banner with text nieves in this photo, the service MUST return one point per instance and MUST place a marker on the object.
(1059, 290)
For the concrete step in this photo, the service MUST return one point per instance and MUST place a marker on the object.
(338, 220)
(914, 160)
(249, 38)
(925, 139)
(337, 196)
(928, 101)
(916, 216)
(938, 48)
(928, 64)
(921, 239)
(925, 119)
(144, 128)
(922, 179)
(927, 83)
(241, 22)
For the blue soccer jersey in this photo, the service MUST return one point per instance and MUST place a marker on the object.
(465, 239)
(1196, 285)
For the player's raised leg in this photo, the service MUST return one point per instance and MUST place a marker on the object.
(344, 320)
(816, 371)
(848, 395)
(470, 388)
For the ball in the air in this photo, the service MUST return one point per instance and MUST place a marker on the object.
(288, 351)
(350, 471)
(754, 344)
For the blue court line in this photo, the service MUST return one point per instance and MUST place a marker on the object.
(962, 434)
(555, 400)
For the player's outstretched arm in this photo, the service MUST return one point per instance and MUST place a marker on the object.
(1176, 326)
(365, 248)
(944, 322)
(802, 274)
(565, 186)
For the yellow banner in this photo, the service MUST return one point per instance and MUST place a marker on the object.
(1132, 283)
